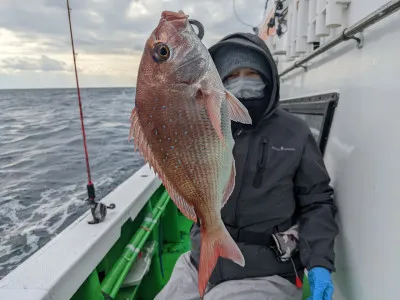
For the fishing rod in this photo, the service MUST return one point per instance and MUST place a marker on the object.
(98, 209)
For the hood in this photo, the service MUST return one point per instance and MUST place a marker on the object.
(256, 43)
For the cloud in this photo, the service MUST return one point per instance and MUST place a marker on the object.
(44, 63)
(109, 35)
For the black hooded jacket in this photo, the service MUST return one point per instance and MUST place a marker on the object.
(281, 179)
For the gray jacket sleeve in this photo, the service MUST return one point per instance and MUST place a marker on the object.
(316, 209)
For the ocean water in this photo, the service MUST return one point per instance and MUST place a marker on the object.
(42, 165)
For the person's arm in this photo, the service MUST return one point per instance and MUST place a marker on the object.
(316, 210)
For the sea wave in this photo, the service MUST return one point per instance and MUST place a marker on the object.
(42, 163)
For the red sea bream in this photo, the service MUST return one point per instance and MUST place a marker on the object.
(181, 124)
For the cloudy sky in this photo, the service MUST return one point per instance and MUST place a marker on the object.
(35, 49)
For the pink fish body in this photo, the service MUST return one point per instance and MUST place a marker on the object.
(181, 124)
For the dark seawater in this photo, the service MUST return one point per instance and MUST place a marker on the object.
(42, 166)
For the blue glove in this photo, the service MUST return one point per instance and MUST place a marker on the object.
(321, 285)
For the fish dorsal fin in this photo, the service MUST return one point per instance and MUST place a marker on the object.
(186, 208)
(140, 143)
(237, 111)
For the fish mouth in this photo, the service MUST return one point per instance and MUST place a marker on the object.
(174, 16)
(178, 20)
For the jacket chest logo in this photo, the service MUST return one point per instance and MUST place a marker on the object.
(281, 148)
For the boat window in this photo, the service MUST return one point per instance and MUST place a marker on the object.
(317, 111)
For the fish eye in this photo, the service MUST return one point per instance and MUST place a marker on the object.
(161, 52)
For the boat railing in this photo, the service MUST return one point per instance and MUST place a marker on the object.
(348, 34)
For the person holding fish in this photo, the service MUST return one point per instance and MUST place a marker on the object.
(249, 174)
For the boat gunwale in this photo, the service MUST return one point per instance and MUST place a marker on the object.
(60, 267)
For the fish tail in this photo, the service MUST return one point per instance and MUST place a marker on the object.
(214, 244)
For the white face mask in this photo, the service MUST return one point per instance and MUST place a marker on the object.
(246, 87)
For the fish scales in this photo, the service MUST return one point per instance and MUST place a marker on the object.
(181, 126)
(206, 152)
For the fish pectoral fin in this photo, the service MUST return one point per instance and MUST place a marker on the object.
(237, 111)
(213, 108)
(230, 185)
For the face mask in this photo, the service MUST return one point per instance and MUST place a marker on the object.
(250, 91)
(246, 87)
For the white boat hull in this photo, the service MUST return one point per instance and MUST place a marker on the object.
(362, 153)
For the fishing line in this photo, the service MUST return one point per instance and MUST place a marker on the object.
(247, 24)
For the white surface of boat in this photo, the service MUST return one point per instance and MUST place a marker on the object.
(362, 152)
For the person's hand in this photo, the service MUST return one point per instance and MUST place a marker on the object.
(321, 285)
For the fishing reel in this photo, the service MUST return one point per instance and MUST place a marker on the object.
(98, 209)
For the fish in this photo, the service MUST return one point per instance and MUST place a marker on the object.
(181, 125)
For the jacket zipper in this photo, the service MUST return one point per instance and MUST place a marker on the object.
(263, 156)
(240, 188)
